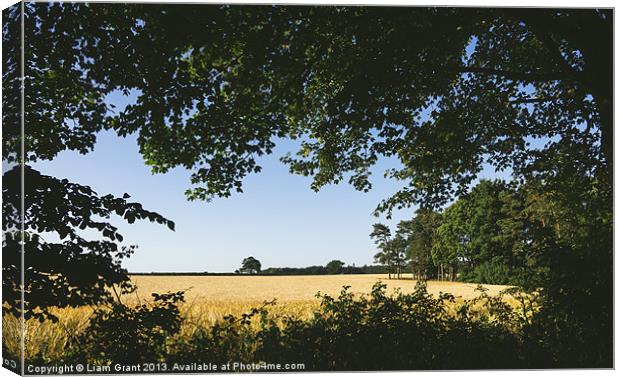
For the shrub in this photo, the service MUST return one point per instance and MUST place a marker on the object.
(128, 335)
(375, 332)
(399, 331)
(494, 271)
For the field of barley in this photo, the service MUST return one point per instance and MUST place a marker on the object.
(245, 288)
(210, 298)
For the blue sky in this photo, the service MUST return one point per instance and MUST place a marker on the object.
(277, 219)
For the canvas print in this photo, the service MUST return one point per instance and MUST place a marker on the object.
(205, 188)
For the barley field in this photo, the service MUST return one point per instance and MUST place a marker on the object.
(210, 298)
(244, 288)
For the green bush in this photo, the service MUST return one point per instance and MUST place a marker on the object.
(375, 332)
(494, 271)
(129, 335)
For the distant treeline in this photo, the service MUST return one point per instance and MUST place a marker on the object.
(324, 270)
(310, 270)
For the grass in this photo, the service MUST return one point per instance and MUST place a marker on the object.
(209, 298)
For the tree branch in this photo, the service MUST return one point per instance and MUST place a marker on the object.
(535, 100)
(545, 27)
(516, 76)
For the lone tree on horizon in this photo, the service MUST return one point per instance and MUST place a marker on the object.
(250, 265)
(334, 267)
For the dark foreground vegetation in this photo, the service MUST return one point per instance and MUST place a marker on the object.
(375, 332)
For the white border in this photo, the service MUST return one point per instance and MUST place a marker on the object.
(470, 3)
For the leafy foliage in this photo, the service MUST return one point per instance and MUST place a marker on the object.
(503, 234)
(483, 234)
(473, 86)
(65, 263)
(376, 332)
(556, 242)
(420, 235)
(128, 335)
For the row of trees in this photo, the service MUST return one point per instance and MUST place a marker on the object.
(486, 236)
(251, 265)
(332, 268)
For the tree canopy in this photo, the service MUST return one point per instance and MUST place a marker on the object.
(420, 234)
(445, 90)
